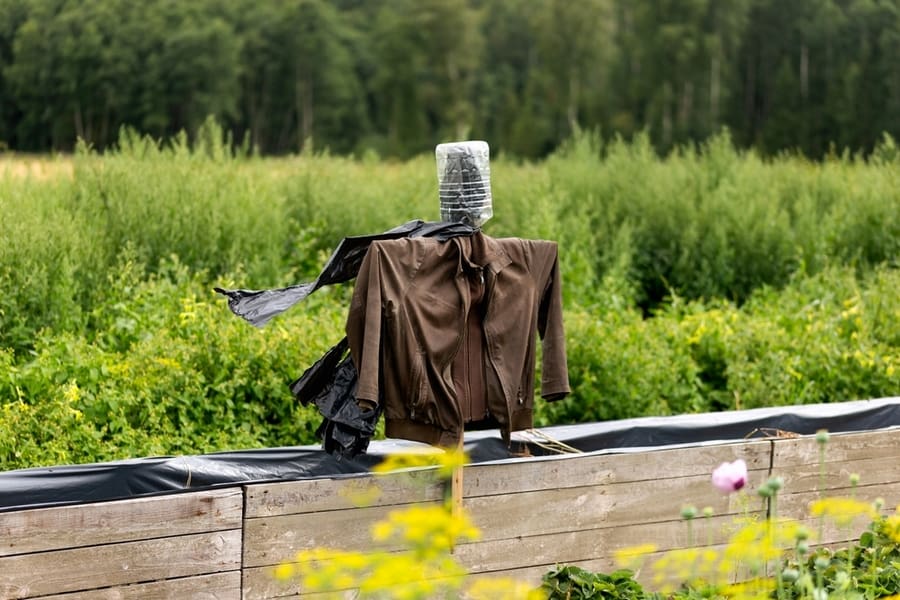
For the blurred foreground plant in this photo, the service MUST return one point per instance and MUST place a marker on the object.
(412, 551)
(771, 558)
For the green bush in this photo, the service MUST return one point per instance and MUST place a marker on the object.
(831, 337)
(169, 371)
(705, 280)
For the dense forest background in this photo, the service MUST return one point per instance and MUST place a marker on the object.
(395, 77)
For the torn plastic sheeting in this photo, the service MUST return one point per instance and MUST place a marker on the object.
(259, 306)
(74, 484)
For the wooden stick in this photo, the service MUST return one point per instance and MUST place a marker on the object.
(456, 483)
(456, 489)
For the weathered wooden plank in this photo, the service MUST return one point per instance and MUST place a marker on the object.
(539, 554)
(533, 574)
(579, 470)
(564, 471)
(314, 495)
(796, 505)
(259, 583)
(80, 569)
(558, 510)
(119, 521)
(218, 586)
(836, 475)
(268, 541)
(840, 448)
(827, 532)
(530, 576)
(581, 545)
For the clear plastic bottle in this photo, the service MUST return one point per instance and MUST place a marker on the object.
(464, 181)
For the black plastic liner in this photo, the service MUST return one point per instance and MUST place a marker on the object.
(74, 484)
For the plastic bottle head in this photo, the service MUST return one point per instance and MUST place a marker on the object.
(464, 181)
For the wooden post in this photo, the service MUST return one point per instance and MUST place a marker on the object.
(456, 490)
(456, 483)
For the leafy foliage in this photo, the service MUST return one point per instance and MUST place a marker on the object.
(680, 294)
(394, 77)
(570, 582)
(768, 558)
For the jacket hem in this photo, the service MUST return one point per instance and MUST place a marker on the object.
(521, 419)
(420, 432)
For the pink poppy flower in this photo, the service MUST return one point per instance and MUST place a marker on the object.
(730, 477)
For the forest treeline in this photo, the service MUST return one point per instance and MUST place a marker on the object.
(398, 76)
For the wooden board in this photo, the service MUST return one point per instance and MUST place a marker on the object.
(218, 586)
(572, 470)
(572, 509)
(836, 476)
(580, 545)
(80, 569)
(579, 470)
(559, 504)
(797, 506)
(259, 583)
(276, 539)
(268, 541)
(61, 527)
(532, 575)
(840, 448)
(543, 551)
(315, 495)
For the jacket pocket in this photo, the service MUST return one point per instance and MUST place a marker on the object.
(421, 402)
(524, 396)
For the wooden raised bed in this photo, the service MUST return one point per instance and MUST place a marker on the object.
(533, 513)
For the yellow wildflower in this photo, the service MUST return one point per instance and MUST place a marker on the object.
(502, 588)
(842, 510)
(445, 461)
(754, 589)
(892, 528)
(284, 571)
(632, 556)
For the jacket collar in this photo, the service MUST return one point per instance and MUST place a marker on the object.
(483, 251)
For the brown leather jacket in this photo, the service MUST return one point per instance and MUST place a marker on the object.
(408, 318)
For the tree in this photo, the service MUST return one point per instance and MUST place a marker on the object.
(574, 40)
(326, 86)
(12, 15)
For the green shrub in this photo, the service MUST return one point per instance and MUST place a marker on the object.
(171, 371)
(826, 338)
(705, 280)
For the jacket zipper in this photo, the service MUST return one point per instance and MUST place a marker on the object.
(490, 346)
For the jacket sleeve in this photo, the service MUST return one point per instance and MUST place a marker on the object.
(554, 370)
(364, 326)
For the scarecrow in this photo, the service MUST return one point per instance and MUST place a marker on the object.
(442, 327)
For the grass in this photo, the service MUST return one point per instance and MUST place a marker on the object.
(705, 280)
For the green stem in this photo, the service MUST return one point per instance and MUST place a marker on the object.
(773, 519)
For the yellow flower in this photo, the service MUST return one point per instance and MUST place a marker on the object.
(757, 543)
(892, 528)
(842, 510)
(445, 461)
(628, 558)
(502, 588)
(678, 566)
(754, 589)
(284, 571)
